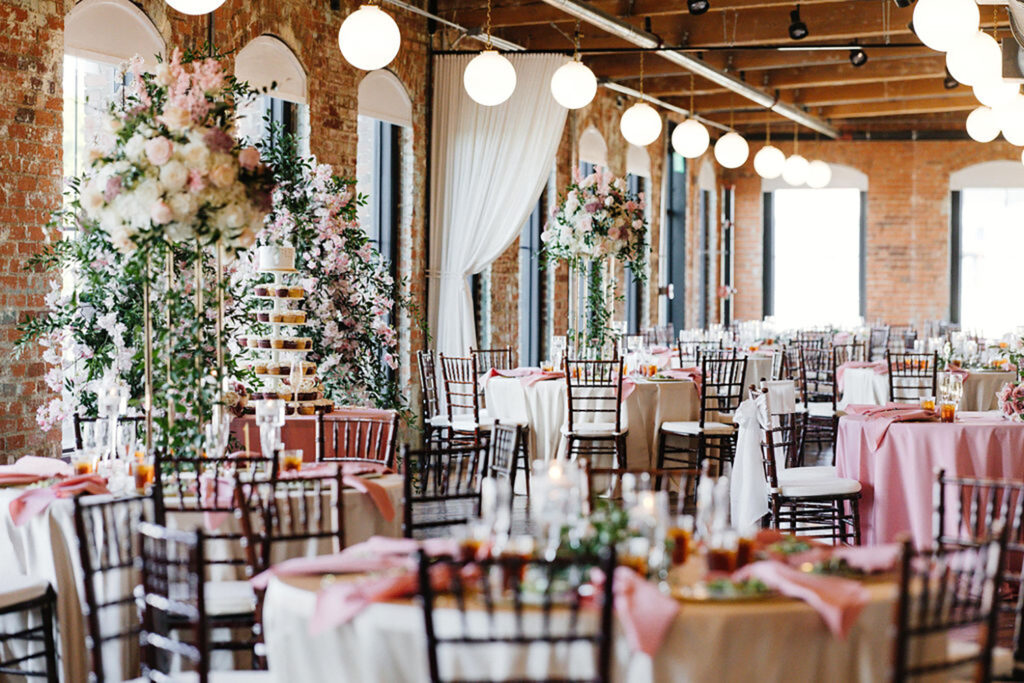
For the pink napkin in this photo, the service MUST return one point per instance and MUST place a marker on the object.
(516, 372)
(358, 558)
(870, 559)
(350, 477)
(220, 493)
(376, 493)
(959, 372)
(692, 374)
(533, 378)
(35, 501)
(342, 601)
(645, 612)
(879, 366)
(628, 387)
(880, 418)
(838, 601)
(32, 468)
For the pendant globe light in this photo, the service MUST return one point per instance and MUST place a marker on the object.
(795, 170)
(195, 7)
(574, 85)
(819, 174)
(982, 125)
(1014, 135)
(1010, 114)
(369, 38)
(995, 92)
(941, 24)
(690, 138)
(731, 150)
(769, 160)
(641, 123)
(489, 78)
(975, 60)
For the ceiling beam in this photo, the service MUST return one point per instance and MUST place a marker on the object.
(923, 106)
(846, 94)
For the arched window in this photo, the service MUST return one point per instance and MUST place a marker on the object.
(986, 202)
(270, 66)
(638, 177)
(593, 150)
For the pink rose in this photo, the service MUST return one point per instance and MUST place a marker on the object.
(159, 150)
(196, 180)
(249, 158)
(161, 213)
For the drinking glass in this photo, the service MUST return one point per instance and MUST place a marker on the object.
(270, 419)
(290, 460)
(143, 472)
(928, 402)
(681, 535)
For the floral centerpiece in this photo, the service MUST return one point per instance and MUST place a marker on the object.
(597, 220)
(1011, 396)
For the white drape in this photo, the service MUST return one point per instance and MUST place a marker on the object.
(489, 166)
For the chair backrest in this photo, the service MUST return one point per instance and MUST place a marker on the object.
(902, 338)
(461, 391)
(594, 389)
(878, 342)
(108, 546)
(819, 375)
(427, 365)
(967, 510)
(812, 339)
(292, 516)
(678, 483)
(781, 437)
(945, 591)
(173, 591)
(793, 368)
(721, 386)
(690, 352)
(558, 618)
(912, 375)
(778, 362)
(358, 435)
(437, 476)
(502, 450)
(486, 359)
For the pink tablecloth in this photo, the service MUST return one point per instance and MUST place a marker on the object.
(899, 475)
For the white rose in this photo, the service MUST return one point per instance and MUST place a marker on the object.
(176, 118)
(92, 199)
(162, 74)
(196, 155)
(178, 232)
(233, 216)
(223, 175)
(135, 148)
(173, 175)
(183, 205)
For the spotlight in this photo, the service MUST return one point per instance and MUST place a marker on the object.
(858, 57)
(698, 6)
(903, 3)
(797, 28)
(949, 83)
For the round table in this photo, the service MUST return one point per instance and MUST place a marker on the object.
(542, 406)
(864, 386)
(898, 475)
(769, 640)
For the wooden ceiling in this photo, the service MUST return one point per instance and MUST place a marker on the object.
(900, 88)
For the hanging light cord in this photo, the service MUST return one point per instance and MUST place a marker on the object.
(768, 128)
(692, 112)
(796, 139)
(641, 75)
(488, 29)
(576, 42)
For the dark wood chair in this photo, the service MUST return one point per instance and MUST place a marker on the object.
(173, 596)
(912, 375)
(503, 452)
(434, 421)
(943, 592)
(31, 651)
(691, 352)
(902, 338)
(967, 511)
(878, 342)
(792, 367)
(594, 410)
(468, 422)
(554, 621)
(813, 339)
(108, 548)
(485, 360)
(358, 435)
(721, 394)
(441, 486)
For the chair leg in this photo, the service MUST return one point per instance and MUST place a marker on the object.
(620, 452)
(49, 642)
(855, 512)
(660, 457)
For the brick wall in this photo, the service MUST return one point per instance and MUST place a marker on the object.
(31, 54)
(908, 221)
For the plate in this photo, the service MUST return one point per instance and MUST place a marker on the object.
(724, 590)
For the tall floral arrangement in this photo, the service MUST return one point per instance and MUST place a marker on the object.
(597, 220)
(1011, 396)
(351, 299)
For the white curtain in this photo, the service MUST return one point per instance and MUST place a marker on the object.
(489, 167)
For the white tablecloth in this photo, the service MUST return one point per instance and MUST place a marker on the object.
(46, 546)
(772, 640)
(543, 407)
(863, 386)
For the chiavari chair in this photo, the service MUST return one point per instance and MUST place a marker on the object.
(878, 342)
(966, 512)
(484, 360)
(812, 339)
(721, 394)
(31, 651)
(792, 367)
(778, 362)
(434, 421)
(809, 501)
(173, 595)
(902, 338)
(690, 352)
(677, 483)
(108, 547)
(358, 435)
(441, 485)
(559, 618)
(468, 422)
(912, 375)
(821, 395)
(943, 592)
(503, 453)
(594, 410)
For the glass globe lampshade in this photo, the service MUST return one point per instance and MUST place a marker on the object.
(1022, 156)
(795, 170)
(769, 161)
(975, 60)
(1014, 135)
(994, 92)
(819, 174)
(690, 138)
(640, 124)
(195, 7)
(941, 24)
(1010, 114)
(982, 125)
(369, 38)
(489, 78)
(731, 150)
(573, 85)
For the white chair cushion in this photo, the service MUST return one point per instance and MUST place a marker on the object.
(594, 429)
(16, 588)
(822, 409)
(467, 424)
(693, 428)
(217, 677)
(439, 421)
(801, 475)
(229, 597)
(822, 487)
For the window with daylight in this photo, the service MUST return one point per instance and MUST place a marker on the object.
(533, 285)
(673, 242)
(268, 65)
